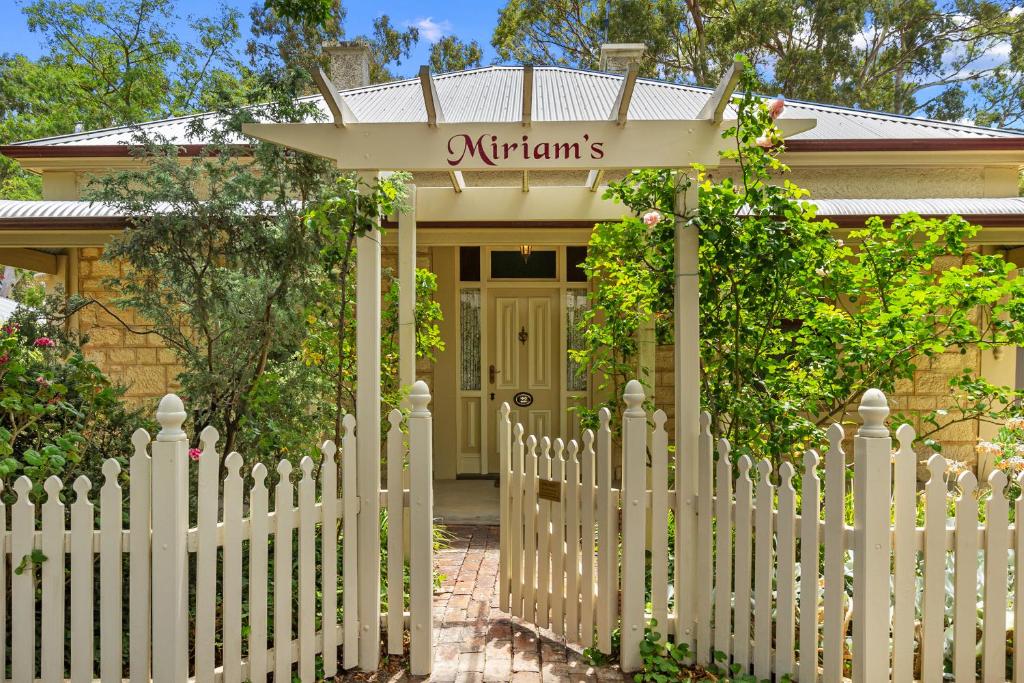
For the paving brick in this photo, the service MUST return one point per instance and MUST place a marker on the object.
(526, 677)
(497, 670)
(525, 661)
(471, 661)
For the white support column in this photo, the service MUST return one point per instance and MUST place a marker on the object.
(170, 535)
(687, 427)
(407, 293)
(634, 518)
(368, 302)
(872, 549)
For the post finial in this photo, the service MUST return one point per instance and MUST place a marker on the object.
(634, 397)
(874, 408)
(419, 396)
(171, 415)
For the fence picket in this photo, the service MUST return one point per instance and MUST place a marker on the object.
(329, 556)
(140, 489)
(785, 626)
(659, 524)
(993, 639)
(52, 584)
(965, 574)
(723, 550)
(810, 516)
(307, 573)
(532, 514)
(3, 578)
(607, 537)
(110, 573)
(421, 465)
(744, 556)
(904, 554)
(587, 541)
(763, 571)
(517, 548)
(258, 543)
(23, 584)
(82, 520)
(207, 495)
(634, 517)
(396, 524)
(350, 564)
(284, 523)
(572, 543)
(704, 550)
(933, 600)
(1018, 592)
(231, 576)
(544, 544)
(557, 541)
(833, 602)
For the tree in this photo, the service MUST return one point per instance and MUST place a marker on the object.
(451, 54)
(951, 60)
(107, 64)
(795, 324)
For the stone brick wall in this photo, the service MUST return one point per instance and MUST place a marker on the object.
(139, 361)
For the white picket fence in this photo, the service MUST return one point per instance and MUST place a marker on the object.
(184, 585)
(780, 587)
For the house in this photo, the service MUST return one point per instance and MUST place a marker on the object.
(508, 318)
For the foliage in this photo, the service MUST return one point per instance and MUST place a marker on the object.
(796, 325)
(946, 59)
(665, 662)
(59, 414)
(451, 54)
(217, 261)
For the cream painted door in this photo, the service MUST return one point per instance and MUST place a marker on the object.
(524, 342)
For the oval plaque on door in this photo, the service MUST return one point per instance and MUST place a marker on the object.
(523, 399)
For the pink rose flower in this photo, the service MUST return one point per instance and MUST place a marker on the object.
(4, 358)
(42, 381)
(776, 106)
(652, 218)
(44, 341)
(764, 141)
(194, 453)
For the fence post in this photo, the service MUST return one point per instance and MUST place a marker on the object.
(170, 553)
(872, 488)
(634, 518)
(421, 504)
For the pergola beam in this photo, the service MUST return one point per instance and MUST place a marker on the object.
(458, 182)
(713, 110)
(340, 111)
(30, 259)
(526, 181)
(431, 102)
(620, 110)
(527, 94)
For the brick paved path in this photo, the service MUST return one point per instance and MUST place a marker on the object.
(475, 641)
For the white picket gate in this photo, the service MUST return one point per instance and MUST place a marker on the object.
(780, 587)
(186, 586)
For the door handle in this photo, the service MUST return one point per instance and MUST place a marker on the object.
(492, 374)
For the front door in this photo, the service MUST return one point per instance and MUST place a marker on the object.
(524, 342)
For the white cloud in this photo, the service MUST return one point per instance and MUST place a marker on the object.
(432, 30)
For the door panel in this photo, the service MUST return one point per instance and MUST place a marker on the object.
(522, 332)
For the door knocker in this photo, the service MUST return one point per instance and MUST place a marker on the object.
(523, 335)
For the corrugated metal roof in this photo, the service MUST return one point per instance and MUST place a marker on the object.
(827, 208)
(560, 94)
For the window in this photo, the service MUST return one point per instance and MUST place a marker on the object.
(576, 304)
(509, 265)
(469, 340)
(574, 257)
(469, 264)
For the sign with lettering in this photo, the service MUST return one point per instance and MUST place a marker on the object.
(495, 151)
(549, 489)
(523, 399)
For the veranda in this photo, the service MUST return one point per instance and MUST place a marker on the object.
(747, 568)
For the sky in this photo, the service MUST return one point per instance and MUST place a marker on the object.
(435, 18)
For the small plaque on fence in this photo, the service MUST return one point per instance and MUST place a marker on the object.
(549, 489)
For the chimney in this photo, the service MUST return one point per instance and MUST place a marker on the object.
(616, 57)
(348, 64)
